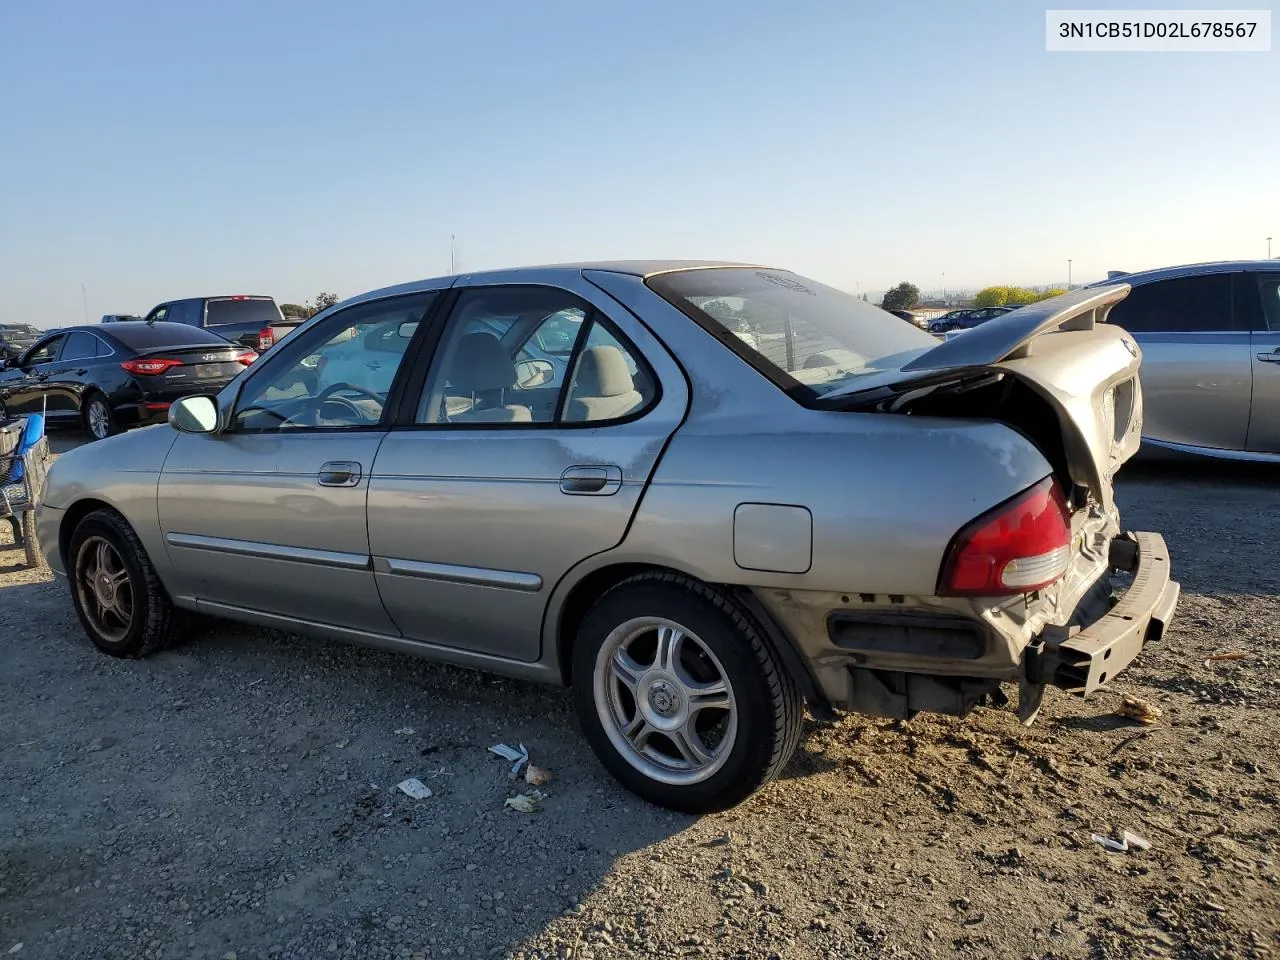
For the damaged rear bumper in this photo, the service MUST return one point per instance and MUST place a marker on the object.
(1084, 659)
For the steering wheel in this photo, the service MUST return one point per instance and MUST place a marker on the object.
(328, 395)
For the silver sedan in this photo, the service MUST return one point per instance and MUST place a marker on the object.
(1210, 336)
(709, 501)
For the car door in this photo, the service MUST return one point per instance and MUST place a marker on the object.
(1264, 412)
(27, 391)
(268, 514)
(486, 494)
(70, 372)
(1197, 372)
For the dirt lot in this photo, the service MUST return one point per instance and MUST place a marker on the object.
(234, 797)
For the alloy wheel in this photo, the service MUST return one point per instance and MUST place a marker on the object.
(104, 588)
(99, 419)
(665, 701)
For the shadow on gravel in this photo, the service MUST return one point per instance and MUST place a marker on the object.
(237, 793)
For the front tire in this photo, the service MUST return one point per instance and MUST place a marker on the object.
(99, 419)
(118, 597)
(681, 695)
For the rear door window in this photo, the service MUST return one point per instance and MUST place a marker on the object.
(79, 346)
(1181, 305)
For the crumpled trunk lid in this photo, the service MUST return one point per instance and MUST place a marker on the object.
(1063, 351)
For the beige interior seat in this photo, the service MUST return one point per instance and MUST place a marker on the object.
(603, 388)
(482, 373)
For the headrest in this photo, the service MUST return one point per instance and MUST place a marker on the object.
(602, 372)
(481, 364)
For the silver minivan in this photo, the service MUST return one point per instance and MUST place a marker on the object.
(1210, 338)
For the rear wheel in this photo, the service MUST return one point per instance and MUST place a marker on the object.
(681, 695)
(118, 597)
(99, 419)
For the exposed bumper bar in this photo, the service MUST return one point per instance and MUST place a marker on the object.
(1084, 660)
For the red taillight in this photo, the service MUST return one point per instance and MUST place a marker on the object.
(247, 357)
(266, 337)
(150, 367)
(1020, 546)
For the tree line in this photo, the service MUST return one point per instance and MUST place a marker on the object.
(907, 295)
(301, 311)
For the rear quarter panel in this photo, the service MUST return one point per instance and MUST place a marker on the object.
(870, 481)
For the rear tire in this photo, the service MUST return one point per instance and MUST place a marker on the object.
(99, 419)
(697, 728)
(30, 543)
(121, 603)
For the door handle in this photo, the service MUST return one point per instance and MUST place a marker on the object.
(339, 473)
(1273, 357)
(596, 480)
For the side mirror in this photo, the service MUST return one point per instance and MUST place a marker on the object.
(408, 329)
(194, 415)
(534, 373)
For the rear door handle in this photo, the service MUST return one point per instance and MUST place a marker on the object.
(1273, 357)
(597, 480)
(339, 473)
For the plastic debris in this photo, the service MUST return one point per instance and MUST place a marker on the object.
(524, 802)
(1140, 710)
(518, 758)
(1128, 841)
(535, 775)
(414, 788)
(16, 947)
(407, 731)
(1227, 655)
(342, 744)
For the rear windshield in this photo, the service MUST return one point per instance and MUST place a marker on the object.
(808, 338)
(137, 335)
(259, 310)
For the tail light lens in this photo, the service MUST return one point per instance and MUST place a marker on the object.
(151, 366)
(1020, 546)
(247, 357)
(266, 337)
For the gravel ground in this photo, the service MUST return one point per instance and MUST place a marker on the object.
(234, 797)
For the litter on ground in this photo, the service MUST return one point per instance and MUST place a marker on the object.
(535, 775)
(1128, 841)
(518, 757)
(407, 731)
(1140, 710)
(524, 802)
(415, 788)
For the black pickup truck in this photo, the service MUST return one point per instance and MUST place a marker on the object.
(248, 320)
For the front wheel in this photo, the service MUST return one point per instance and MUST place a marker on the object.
(118, 597)
(681, 696)
(99, 419)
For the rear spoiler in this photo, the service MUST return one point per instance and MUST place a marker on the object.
(1010, 336)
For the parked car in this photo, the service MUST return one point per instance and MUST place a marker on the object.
(248, 320)
(15, 338)
(699, 534)
(107, 379)
(1210, 339)
(966, 319)
(118, 317)
(911, 318)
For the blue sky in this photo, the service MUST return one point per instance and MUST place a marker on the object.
(154, 150)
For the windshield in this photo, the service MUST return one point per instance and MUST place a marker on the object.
(808, 338)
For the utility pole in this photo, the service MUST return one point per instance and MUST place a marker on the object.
(453, 255)
(944, 286)
(1068, 276)
(84, 292)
